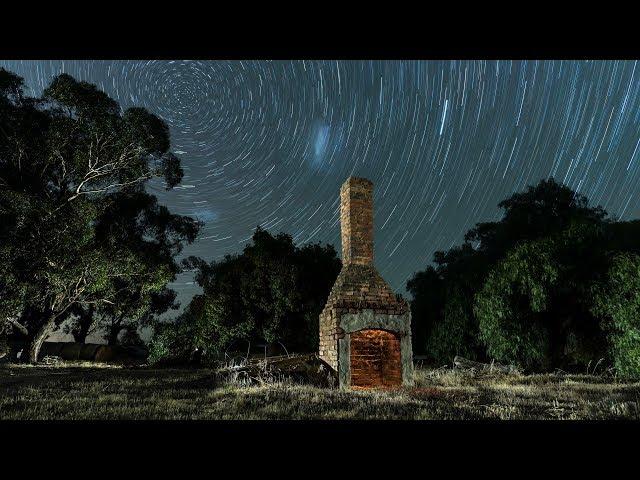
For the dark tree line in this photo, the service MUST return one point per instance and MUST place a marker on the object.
(272, 294)
(539, 288)
(81, 240)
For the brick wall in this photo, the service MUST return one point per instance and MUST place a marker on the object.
(356, 221)
(359, 286)
(329, 336)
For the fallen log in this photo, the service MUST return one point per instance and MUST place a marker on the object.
(466, 364)
(299, 368)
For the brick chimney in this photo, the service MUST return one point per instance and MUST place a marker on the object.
(356, 221)
(365, 329)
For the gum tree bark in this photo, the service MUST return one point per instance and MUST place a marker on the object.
(41, 335)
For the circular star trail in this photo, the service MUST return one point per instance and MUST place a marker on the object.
(269, 143)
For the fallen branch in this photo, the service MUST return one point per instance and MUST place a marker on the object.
(307, 368)
(466, 364)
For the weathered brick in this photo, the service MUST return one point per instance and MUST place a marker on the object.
(358, 286)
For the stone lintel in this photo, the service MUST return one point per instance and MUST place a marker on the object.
(368, 319)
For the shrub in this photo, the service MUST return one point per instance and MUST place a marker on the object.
(617, 303)
(203, 330)
(510, 307)
(165, 347)
(456, 333)
(427, 304)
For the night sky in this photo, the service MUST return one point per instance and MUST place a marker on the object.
(269, 143)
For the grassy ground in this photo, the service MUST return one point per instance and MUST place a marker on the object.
(82, 392)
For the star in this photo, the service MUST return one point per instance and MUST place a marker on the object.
(270, 142)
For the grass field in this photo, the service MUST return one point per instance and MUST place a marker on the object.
(81, 392)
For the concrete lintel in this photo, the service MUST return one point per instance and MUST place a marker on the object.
(368, 319)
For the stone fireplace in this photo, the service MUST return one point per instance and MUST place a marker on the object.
(365, 333)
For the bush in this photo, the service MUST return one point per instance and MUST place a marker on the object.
(165, 346)
(524, 280)
(535, 308)
(617, 303)
(201, 333)
(426, 289)
(456, 333)
(511, 306)
(272, 293)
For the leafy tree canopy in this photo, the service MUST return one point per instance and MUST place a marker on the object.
(272, 293)
(445, 311)
(76, 225)
(616, 301)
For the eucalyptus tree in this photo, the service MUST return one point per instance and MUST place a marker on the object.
(444, 307)
(76, 224)
(272, 293)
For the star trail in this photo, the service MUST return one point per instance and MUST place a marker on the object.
(270, 142)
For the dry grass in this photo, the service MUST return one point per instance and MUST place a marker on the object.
(76, 392)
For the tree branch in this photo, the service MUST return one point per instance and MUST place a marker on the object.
(18, 325)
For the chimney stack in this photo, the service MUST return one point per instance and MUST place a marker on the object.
(356, 221)
(364, 328)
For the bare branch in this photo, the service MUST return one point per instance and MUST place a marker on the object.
(18, 325)
(109, 187)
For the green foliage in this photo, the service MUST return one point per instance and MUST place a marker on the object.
(427, 296)
(443, 321)
(517, 290)
(617, 303)
(547, 208)
(132, 337)
(164, 346)
(204, 326)
(272, 293)
(509, 305)
(456, 333)
(76, 225)
(535, 307)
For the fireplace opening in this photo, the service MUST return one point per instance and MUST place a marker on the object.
(375, 359)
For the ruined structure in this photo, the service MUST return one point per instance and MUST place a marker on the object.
(365, 332)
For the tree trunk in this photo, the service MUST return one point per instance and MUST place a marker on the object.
(112, 337)
(18, 325)
(39, 338)
(4, 345)
(84, 324)
(80, 335)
